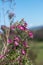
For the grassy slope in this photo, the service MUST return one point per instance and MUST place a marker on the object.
(38, 46)
(39, 59)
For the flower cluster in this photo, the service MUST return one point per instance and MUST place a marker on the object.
(19, 36)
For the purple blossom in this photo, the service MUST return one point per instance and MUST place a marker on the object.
(31, 34)
(10, 41)
(1, 56)
(25, 44)
(16, 38)
(16, 43)
(21, 27)
(23, 51)
(12, 27)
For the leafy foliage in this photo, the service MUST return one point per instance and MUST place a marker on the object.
(16, 40)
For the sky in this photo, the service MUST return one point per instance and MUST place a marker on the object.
(30, 10)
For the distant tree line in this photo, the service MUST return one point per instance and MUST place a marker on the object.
(38, 35)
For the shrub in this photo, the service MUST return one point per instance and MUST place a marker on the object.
(16, 44)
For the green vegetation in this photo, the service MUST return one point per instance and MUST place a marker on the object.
(38, 48)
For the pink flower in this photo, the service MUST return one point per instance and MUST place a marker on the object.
(31, 34)
(23, 51)
(9, 41)
(16, 38)
(1, 56)
(25, 44)
(12, 27)
(16, 43)
(21, 27)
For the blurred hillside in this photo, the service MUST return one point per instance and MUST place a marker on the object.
(38, 33)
